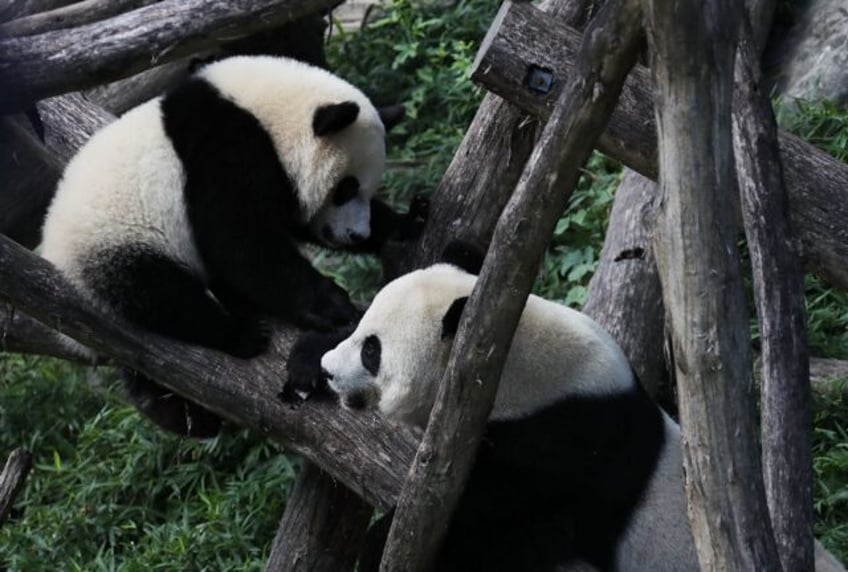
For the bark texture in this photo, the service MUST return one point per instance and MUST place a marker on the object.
(624, 293)
(817, 183)
(12, 479)
(12, 9)
(467, 391)
(692, 63)
(67, 60)
(28, 173)
(75, 14)
(779, 293)
(312, 537)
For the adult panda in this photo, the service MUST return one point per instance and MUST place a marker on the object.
(578, 468)
(185, 214)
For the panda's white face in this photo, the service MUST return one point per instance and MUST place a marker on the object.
(335, 165)
(394, 360)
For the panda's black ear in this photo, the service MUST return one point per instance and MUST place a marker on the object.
(332, 118)
(450, 322)
(391, 115)
(464, 255)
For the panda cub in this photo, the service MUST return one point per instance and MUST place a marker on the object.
(577, 467)
(185, 214)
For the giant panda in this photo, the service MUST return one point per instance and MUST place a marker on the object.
(578, 469)
(185, 214)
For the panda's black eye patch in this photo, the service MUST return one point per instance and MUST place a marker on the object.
(370, 354)
(346, 190)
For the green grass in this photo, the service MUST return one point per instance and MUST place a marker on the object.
(109, 491)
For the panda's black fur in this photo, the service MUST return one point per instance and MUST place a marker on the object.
(245, 219)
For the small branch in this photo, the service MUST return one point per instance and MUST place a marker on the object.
(311, 538)
(12, 479)
(779, 293)
(695, 244)
(359, 449)
(22, 334)
(470, 382)
(68, 60)
(76, 14)
(816, 182)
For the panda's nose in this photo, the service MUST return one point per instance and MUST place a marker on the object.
(326, 375)
(356, 237)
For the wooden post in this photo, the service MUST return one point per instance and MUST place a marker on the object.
(692, 61)
(779, 293)
(312, 537)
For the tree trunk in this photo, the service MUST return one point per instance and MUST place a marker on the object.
(75, 14)
(312, 537)
(779, 293)
(695, 244)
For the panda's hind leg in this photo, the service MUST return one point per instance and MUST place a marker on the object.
(164, 296)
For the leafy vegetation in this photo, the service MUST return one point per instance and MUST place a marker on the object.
(111, 492)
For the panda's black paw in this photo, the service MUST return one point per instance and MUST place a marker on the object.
(415, 219)
(250, 337)
(304, 377)
(330, 308)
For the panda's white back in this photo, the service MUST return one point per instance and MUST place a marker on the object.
(124, 185)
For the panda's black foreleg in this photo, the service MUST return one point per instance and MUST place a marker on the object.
(165, 297)
(276, 280)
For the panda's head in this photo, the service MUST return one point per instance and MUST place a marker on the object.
(395, 358)
(328, 136)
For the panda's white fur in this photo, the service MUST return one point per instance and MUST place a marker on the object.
(556, 354)
(126, 183)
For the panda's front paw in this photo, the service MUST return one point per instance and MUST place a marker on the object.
(305, 378)
(415, 219)
(250, 337)
(331, 308)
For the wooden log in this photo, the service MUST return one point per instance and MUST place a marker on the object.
(69, 121)
(12, 479)
(469, 385)
(75, 14)
(624, 293)
(68, 60)
(700, 273)
(19, 333)
(28, 173)
(817, 183)
(358, 449)
(779, 294)
(311, 537)
(11, 9)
